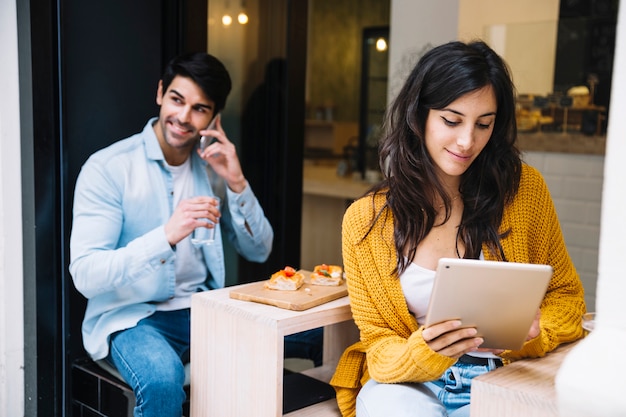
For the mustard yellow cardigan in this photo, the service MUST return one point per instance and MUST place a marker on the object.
(391, 348)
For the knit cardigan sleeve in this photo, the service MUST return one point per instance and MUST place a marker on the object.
(391, 348)
(396, 351)
(535, 237)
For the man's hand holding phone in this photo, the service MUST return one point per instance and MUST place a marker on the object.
(221, 155)
(205, 141)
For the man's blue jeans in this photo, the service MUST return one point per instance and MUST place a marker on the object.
(308, 344)
(151, 358)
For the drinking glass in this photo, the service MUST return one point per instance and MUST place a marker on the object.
(203, 235)
(589, 321)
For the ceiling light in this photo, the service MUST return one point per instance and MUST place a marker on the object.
(381, 44)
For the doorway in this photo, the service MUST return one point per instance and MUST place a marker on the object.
(266, 55)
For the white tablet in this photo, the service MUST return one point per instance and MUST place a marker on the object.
(500, 299)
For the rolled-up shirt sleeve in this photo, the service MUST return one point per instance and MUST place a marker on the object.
(252, 234)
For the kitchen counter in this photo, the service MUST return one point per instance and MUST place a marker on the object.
(571, 142)
(322, 180)
(325, 197)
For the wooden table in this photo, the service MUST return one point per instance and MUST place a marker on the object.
(522, 389)
(237, 353)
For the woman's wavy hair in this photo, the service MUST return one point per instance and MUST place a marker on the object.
(410, 183)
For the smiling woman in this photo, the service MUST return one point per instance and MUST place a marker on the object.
(449, 132)
(457, 134)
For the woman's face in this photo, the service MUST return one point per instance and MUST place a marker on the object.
(456, 134)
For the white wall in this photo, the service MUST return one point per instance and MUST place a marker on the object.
(416, 26)
(575, 183)
(590, 381)
(523, 32)
(11, 275)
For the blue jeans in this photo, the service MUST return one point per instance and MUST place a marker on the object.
(308, 344)
(448, 396)
(151, 357)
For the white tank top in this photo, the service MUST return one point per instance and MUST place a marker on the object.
(417, 284)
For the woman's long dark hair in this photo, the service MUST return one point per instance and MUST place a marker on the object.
(441, 76)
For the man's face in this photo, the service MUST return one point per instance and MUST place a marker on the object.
(185, 110)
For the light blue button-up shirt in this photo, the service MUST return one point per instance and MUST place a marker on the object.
(121, 260)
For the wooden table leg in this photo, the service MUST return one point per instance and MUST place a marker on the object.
(238, 368)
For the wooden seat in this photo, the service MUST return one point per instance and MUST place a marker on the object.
(113, 371)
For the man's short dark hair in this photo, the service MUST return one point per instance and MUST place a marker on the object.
(205, 70)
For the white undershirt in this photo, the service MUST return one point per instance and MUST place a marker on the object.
(190, 269)
(417, 284)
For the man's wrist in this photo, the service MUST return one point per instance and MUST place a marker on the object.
(238, 186)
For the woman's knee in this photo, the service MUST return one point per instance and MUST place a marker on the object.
(398, 400)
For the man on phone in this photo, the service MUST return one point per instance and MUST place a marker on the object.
(136, 205)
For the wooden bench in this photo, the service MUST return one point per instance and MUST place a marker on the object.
(96, 392)
(521, 389)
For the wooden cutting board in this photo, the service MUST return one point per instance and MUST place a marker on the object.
(303, 298)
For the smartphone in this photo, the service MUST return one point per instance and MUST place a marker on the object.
(207, 140)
